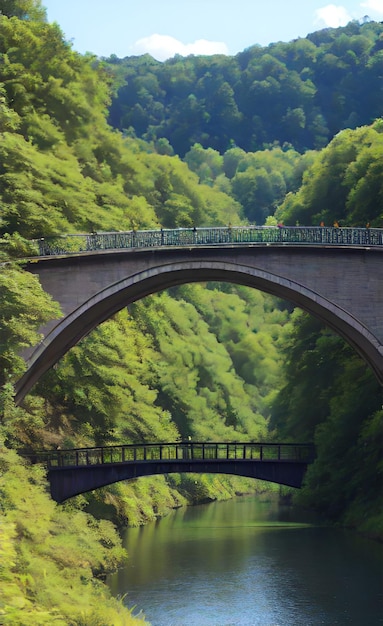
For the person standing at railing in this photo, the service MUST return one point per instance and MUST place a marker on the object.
(194, 234)
(337, 234)
(368, 232)
(187, 453)
(322, 232)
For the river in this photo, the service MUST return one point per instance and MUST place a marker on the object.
(248, 562)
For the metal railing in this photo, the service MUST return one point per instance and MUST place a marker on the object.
(186, 237)
(184, 451)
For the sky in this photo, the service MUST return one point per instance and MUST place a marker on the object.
(164, 28)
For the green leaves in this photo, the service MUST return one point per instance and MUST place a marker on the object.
(330, 396)
(107, 382)
(343, 183)
(299, 93)
(23, 9)
(24, 306)
(50, 556)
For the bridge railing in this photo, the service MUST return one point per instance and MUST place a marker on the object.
(184, 451)
(298, 235)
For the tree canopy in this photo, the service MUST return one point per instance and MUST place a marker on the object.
(299, 93)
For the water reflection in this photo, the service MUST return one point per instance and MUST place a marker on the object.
(245, 563)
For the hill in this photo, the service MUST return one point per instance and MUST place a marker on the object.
(299, 93)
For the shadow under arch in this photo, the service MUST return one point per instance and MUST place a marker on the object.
(115, 297)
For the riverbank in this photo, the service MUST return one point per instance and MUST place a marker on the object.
(140, 501)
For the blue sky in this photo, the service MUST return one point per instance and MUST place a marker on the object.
(168, 27)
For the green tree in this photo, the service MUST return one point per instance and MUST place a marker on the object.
(343, 482)
(23, 9)
(208, 164)
(42, 547)
(342, 184)
(24, 307)
(301, 92)
(253, 189)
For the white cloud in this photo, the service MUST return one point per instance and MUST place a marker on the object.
(375, 6)
(333, 16)
(163, 47)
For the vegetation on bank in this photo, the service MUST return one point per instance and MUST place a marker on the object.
(53, 558)
(211, 362)
(330, 396)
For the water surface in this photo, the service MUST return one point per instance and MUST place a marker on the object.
(249, 563)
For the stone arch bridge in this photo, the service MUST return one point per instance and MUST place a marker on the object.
(336, 274)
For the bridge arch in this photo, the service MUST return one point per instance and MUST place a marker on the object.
(112, 298)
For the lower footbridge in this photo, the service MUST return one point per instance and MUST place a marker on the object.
(75, 471)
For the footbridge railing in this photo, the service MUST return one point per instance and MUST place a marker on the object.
(223, 235)
(190, 451)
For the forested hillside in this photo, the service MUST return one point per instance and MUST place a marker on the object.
(211, 362)
(249, 124)
(299, 93)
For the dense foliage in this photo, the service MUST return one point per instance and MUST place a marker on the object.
(211, 361)
(62, 169)
(331, 396)
(51, 558)
(343, 184)
(299, 93)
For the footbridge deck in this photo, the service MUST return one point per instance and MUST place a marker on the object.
(75, 471)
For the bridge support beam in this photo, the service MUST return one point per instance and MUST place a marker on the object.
(66, 482)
